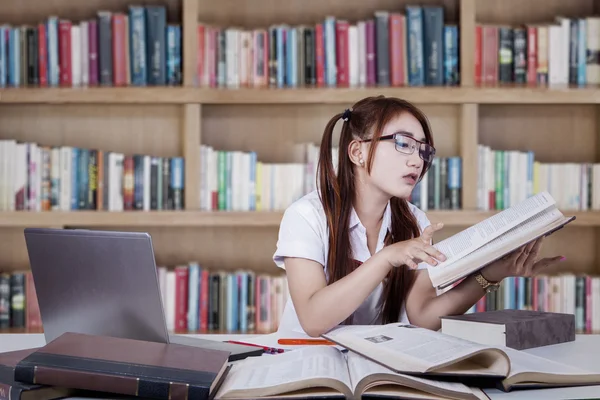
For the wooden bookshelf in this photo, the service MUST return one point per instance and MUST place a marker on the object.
(560, 124)
(223, 219)
(508, 94)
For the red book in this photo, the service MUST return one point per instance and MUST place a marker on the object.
(532, 55)
(203, 308)
(42, 56)
(128, 182)
(478, 53)
(34, 318)
(64, 52)
(370, 45)
(397, 49)
(489, 54)
(119, 51)
(320, 55)
(181, 298)
(341, 49)
(201, 58)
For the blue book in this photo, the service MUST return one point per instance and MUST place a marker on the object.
(291, 57)
(415, 52)
(137, 48)
(581, 51)
(171, 55)
(52, 48)
(193, 285)
(281, 67)
(451, 71)
(433, 44)
(330, 55)
(3, 55)
(14, 67)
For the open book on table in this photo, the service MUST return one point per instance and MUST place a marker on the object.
(325, 371)
(425, 353)
(473, 248)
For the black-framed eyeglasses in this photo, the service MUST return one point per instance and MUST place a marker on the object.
(407, 145)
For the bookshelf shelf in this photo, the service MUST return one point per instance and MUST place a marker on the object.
(22, 219)
(304, 95)
(241, 219)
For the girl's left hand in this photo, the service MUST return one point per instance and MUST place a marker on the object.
(521, 262)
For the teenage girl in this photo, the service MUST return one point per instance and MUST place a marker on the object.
(354, 251)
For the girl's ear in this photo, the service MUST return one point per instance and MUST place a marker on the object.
(355, 153)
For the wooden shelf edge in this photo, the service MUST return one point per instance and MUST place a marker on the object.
(347, 96)
(23, 219)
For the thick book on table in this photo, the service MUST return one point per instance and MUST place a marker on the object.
(13, 390)
(411, 350)
(326, 371)
(477, 246)
(517, 329)
(126, 366)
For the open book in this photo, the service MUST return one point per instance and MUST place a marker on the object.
(425, 353)
(325, 371)
(475, 247)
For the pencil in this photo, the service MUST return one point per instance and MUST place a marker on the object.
(303, 342)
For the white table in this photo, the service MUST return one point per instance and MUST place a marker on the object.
(583, 353)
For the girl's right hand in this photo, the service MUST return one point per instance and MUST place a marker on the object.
(412, 252)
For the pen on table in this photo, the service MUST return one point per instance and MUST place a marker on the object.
(270, 350)
(303, 342)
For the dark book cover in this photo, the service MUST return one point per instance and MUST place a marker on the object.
(32, 56)
(125, 366)
(433, 44)
(310, 77)
(154, 183)
(17, 300)
(138, 182)
(4, 300)
(527, 329)
(382, 46)
(505, 54)
(156, 29)
(92, 172)
(105, 54)
(167, 201)
(10, 389)
(520, 55)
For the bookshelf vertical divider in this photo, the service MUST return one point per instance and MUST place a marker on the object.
(190, 41)
(469, 121)
(191, 153)
(467, 42)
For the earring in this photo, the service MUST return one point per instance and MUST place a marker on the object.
(362, 162)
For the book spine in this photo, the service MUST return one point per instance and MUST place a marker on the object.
(505, 55)
(91, 378)
(156, 23)
(137, 49)
(92, 53)
(520, 55)
(531, 55)
(433, 27)
(416, 65)
(66, 78)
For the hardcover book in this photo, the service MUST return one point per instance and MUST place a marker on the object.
(10, 389)
(518, 329)
(126, 366)
(411, 350)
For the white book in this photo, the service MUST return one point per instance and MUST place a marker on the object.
(407, 349)
(473, 248)
(76, 55)
(353, 56)
(85, 59)
(362, 53)
(66, 161)
(326, 371)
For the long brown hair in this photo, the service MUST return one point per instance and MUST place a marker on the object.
(369, 115)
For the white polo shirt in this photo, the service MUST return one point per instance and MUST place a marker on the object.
(303, 233)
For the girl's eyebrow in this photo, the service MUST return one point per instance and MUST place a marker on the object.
(407, 133)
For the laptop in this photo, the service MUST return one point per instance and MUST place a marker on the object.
(105, 283)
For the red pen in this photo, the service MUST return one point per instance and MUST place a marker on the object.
(270, 350)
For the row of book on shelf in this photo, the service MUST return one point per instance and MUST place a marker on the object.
(560, 52)
(198, 299)
(195, 299)
(37, 177)
(238, 181)
(388, 49)
(507, 177)
(136, 47)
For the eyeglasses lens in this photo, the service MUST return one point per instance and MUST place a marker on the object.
(407, 145)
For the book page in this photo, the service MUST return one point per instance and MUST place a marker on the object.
(531, 369)
(361, 369)
(406, 348)
(536, 225)
(293, 370)
(470, 239)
